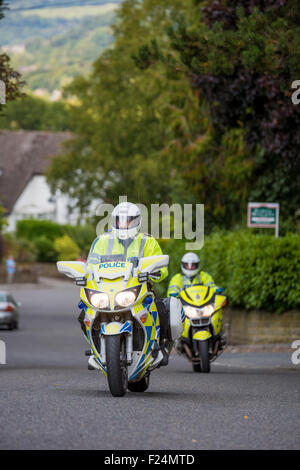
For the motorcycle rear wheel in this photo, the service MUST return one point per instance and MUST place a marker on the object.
(116, 365)
(140, 386)
(204, 356)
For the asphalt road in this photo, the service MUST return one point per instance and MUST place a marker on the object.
(49, 400)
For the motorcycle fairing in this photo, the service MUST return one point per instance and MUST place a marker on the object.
(151, 328)
(216, 321)
(220, 301)
(202, 335)
(186, 327)
(116, 328)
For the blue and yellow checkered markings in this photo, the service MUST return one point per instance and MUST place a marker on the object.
(156, 322)
(127, 328)
(151, 334)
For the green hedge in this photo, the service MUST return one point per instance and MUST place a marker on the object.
(32, 229)
(43, 233)
(257, 271)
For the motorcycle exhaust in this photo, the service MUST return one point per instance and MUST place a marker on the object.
(190, 354)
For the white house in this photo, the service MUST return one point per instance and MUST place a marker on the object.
(24, 192)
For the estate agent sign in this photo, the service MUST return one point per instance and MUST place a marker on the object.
(264, 214)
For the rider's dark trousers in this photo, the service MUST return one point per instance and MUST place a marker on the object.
(164, 319)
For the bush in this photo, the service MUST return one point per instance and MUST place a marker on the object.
(45, 249)
(66, 248)
(258, 271)
(32, 229)
(83, 236)
(43, 233)
(23, 250)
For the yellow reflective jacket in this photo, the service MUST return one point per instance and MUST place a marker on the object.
(179, 281)
(141, 246)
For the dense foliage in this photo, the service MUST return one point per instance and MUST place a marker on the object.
(243, 56)
(42, 236)
(258, 271)
(8, 75)
(122, 119)
(66, 248)
(13, 84)
(33, 113)
(201, 112)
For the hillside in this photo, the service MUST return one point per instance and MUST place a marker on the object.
(51, 41)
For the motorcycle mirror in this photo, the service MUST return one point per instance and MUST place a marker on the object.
(151, 264)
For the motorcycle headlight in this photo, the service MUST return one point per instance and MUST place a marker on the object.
(126, 297)
(207, 311)
(191, 312)
(97, 299)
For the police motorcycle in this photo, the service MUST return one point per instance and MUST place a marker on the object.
(121, 318)
(202, 340)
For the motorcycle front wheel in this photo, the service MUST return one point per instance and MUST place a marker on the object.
(197, 368)
(116, 365)
(204, 356)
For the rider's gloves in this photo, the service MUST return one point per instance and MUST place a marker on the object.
(144, 277)
(80, 281)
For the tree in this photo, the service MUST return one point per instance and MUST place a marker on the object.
(242, 56)
(12, 83)
(33, 113)
(121, 115)
(199, 112)
(8, 75)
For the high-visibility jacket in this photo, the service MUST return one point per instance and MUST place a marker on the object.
(180, 281)
(140, 246)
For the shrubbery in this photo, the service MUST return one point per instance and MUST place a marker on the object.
(66, 248)
(257, 271)
(22, 249)
(33, 229)
(43, 234)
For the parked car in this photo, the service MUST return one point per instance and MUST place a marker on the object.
(9, 311)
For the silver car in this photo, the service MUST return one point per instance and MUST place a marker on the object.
(9, 311)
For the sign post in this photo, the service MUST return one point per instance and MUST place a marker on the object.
(264, 214)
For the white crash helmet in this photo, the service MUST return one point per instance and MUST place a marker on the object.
(126, 220)
(190, 264)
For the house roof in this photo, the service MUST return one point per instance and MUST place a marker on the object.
(24, 154)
